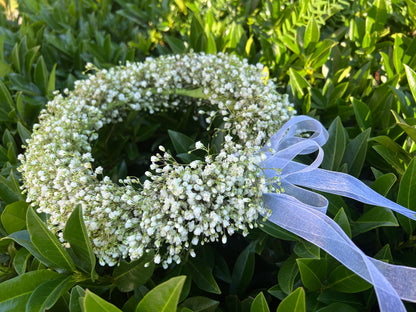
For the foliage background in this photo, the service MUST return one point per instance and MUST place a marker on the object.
(349, 64)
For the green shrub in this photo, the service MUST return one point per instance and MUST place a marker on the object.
(349, 64)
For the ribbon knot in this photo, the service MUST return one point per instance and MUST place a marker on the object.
(302, 211)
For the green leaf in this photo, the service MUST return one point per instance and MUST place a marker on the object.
(94, 303)
(321, 53)
(48, 293)
(221, 269)
(355, 153)
(24, 133)
(378, 15)
(20, 260)
(47, 243)
(243, 270)
(76, 299)
(259, 304)
(180, 141)
(288, 274)
(411, 78)
(23, 239)
(75, 233)
(51, 81)
(306, 250)
(276, 231)
(342, 219)
(41, 75)
(128, 276)
(384, 254)
(200, 304)
(407, 196)
(398, 53)
(362, 114)
(13, 217)
(335, 146)
(410, 131)
(297, 81)
(6, 100)
(339, 307)
(202, 276)
(375, 217)
(344, 280)
(176, 45)
(162, 298)
(182, 6)
(14, 293)
(311, 33)
(8, 192)
(295, 302)
(312, 272)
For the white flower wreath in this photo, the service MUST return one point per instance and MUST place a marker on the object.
(178, 206)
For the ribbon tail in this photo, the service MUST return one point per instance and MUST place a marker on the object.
(314, 226)
(402, 278)
(345, 185)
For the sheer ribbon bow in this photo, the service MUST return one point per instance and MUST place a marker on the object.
(302, 212)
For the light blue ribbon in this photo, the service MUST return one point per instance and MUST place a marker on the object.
(302, 212)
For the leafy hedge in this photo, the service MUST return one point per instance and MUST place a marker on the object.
(349, 64)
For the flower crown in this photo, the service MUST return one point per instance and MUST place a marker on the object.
(179, 205)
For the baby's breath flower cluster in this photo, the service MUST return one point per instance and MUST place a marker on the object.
(178, 206)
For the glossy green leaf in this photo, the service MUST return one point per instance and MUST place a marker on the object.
(355, 153)
(75, 233)
(410, 131)
(259, 304)
(344, 280)
(384, 254)
(13, 217)
(76, 299)
(23, 239)
(180, 141)
(411, 78)
(297, 81)
(8, 192)
(362, 114)
(14, 293)
(378, 15)
(94, 303)
(295, 302)
(312, 272)
(375, 217)
(200, 304)
(342, 219)
(338, 307)
(407, 196)
(288, 274)
(221, 269)
(202, 276)
(129, 275)
(398, 54)
(276, 231)
(335, 146)
(24, 133)
(6, 100)
(20, 260)
(47, 243)
(243, 270)
(41, 75)
(162, 298)
(306, 250)
(321, 53)
(311, 33)
(47, 294)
